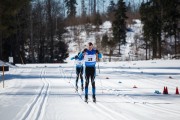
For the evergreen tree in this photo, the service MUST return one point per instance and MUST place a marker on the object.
(13, 28)
(97, 20)
(83, 14)
(41, 24)
(145, 11)
(108, 43)
(71, 8)
(119, 24)
(111, 9)
(159, 16)
(170, 19)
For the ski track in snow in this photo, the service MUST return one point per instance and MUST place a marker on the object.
(140, 102)
(37, 107)
(55, 93)
(99, 107)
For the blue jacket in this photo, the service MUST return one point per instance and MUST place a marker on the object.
(79, 61)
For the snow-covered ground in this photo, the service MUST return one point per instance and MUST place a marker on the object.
(82, 34)
(46, 92)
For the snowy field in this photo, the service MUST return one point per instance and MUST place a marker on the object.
(46, 92)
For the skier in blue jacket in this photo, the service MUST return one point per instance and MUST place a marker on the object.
(79, 70)
(91, 56)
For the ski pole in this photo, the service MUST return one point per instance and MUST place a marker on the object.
(72, 72)
(100, 79)
(98, 68)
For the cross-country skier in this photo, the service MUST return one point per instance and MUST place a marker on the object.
(79, 70)
(90, 58)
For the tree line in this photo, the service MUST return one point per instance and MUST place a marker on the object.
(161, 27)
(31, 31)
(161, 19)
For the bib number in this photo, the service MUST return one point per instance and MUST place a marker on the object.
(89, 59)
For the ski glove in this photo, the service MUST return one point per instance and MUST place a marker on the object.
(72, 58)
(100, 55)
(76, 57)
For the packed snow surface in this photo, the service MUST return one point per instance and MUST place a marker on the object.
(46, 92)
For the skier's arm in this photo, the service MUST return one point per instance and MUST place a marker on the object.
(81, 54)
(97, 58)
(98, 55)
(76, 57)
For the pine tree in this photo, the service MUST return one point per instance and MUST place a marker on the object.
(111, 10)
(97, 20)
(159, 16)
(119, 24)
(83, 14)
(109, 43)
(170, 19)
(144, 11)
(13, 24)
(71, 8)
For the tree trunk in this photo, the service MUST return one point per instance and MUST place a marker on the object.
(149, 52)
(146, 49)
(175, 38)
(110, 54)
(1, 40)
(50, 31)
(94, 10)
(154, 48)
(159, 46)
(90, 7)
(119, 48)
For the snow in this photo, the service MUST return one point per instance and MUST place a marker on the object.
(46, 92)
(87, 33)
(107, 25)
(1, 63)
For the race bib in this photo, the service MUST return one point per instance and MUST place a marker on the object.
(90, 58)
(79, 62)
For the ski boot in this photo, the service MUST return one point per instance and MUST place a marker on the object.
(76, 88)
(94, 98)
(86, 99)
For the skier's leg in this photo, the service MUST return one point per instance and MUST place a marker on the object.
(81, 76)
(93, 84)
(87, 82)
(77, 77)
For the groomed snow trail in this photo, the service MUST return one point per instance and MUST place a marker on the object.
(47, 92)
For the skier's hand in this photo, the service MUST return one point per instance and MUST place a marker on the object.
(72, 58)
(99, 55)
(84, 50)
(76, 57)
(97, 59)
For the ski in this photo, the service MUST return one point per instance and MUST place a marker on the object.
(94, 100)
(86, 101)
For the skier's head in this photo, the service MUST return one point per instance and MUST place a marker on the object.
(90, 46)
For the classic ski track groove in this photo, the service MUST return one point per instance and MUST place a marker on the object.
(36, 108)
(147, 104)
(99, 107)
